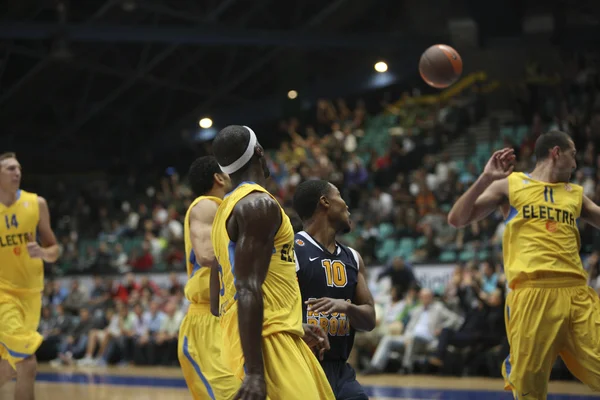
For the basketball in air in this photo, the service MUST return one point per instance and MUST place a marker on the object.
(440, 66)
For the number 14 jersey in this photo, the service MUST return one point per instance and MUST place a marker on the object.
(324, 274)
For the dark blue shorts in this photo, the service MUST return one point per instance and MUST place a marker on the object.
(342, 379)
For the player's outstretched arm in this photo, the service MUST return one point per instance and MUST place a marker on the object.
(49, 249)
(201, 221)
(258, 217)
(590, 212)
(487, 193)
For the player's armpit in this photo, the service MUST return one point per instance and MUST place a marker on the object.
(47, 237)
(362, 312)
(482, 198)
(590, 212)
(258, 218)
(201, 221)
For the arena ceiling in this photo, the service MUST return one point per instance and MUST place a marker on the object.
(112, 77)
(108, 75)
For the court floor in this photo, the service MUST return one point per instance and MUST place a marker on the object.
(130, 383)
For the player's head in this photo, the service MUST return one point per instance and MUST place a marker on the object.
(558, 149)
(10, 172)
(237, 149)
(205, 176)
(321, 199)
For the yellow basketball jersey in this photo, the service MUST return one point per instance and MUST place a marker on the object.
(541, 238)
(18, 271)
(281, 293)
(197, 289)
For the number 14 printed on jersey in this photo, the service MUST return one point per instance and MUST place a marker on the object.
(11, 221)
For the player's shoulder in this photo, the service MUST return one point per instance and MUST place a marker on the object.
(28, 197)
(203, 208)
(351, 253)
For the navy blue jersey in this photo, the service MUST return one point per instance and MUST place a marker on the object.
(323, 274)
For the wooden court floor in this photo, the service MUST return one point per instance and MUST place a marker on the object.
(130, 383)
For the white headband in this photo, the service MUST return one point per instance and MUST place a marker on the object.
(244, 158)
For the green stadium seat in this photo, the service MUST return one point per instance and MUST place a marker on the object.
(466, 255)
(385, 230)
(448, 256)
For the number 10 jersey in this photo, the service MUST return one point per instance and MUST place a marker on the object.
(324, 274)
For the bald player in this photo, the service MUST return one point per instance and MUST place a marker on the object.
(24, 217)
(260, 302)
(550, 310)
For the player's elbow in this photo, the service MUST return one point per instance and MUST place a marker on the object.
(371, 322)
(455, 220)
(248, 288)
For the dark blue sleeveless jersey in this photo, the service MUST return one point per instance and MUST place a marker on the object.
(323, 274)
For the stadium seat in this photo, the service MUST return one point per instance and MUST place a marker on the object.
(448, 256)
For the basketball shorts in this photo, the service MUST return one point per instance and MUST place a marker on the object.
(19, 321)
(292, 372)
(543, 323)
(199, 353)
(342, 378)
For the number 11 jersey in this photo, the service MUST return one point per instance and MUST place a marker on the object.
(541, 241)
(324, 274)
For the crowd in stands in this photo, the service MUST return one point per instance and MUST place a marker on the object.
(399, 181)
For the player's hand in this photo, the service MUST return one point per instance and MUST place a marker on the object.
(327, 305)
(253, 388)
(33, 248)
(500, 165)
(316, 338)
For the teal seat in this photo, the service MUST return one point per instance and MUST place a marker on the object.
(448, 256)
(466, 255)
(385, 230)
(421, 241)
(387, 248)
(407, 244)
(483, 255)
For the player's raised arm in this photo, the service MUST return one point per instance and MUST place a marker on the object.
(487, 193)
(590, 212)
(201, 220)
(258, 217)
(49, 249)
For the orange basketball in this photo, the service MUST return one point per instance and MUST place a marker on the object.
(440, 66)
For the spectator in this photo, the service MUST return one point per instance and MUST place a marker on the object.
(166, 339)
(76, 299)
(426, 323)
(401, 274)
(74, 344)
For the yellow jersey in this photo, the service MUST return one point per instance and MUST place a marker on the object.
(18, 271)
(281, 293)
(541, 238)
(197, 288)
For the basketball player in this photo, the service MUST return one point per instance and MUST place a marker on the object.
(199, 345)
(23, 216)
(261, 312)
(550, 311)
(332, 281)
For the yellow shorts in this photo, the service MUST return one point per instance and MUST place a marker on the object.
(19, 321)
(199, 352)
(292, 372)
(543, 323)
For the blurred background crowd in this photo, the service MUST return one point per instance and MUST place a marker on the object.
(400, 164)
